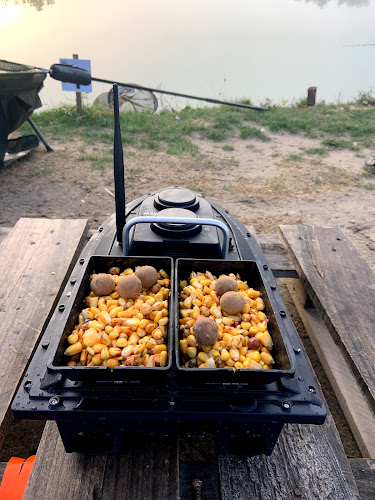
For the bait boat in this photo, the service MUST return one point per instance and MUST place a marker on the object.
(95, 407)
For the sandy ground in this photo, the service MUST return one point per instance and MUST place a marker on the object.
(259, 182)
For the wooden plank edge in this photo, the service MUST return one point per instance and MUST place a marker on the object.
(4, 231)
(364, 475)
(354, 404)
(8, 419)
(362, 383)
(276, 254)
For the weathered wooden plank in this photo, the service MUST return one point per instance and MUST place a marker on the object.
(278, 258)
(356, 408)
(3, 466)
(307, 462)
(199, 461)
(148, 469)
(364, 474)
(342, 287)
(34, 260)
(58, 475)
(276, 254)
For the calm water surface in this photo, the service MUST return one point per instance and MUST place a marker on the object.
(257, 49)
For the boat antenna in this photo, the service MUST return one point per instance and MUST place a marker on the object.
(118, 166)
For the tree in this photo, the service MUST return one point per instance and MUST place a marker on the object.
(38, 4)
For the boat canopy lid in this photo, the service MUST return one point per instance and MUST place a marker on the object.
(176, 198)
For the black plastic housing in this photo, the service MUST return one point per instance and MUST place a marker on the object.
(145, 241)
(101, 264)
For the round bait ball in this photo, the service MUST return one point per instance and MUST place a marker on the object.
(148, 275)
(225, 284)
(102, 284)
(205, 331)
(232, 302)
(129, 287)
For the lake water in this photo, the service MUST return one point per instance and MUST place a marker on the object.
(222, 49)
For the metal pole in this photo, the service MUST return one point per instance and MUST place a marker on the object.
(38, 133)
(78, 94)
(187, 96)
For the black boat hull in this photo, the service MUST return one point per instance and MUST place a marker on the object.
(96, 411)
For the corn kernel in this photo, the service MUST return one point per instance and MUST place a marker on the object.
(132, 322)
(254, 355)
(265, 338)
(163, 321)
(134, 338)
(183, 346)
(83, 357)
(234, 354)
(73, 349)
(97, 359)
(191, 352)
(267, 358)
(91, 351)
(163, 358)
(203, 356)
(112, 362)
(121, 343)
(104, 353)
(91, 337)
(210, 363)
(98, 347)
(73, 338)
(115, 352)
(105, 317)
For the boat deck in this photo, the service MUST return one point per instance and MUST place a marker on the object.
(333, 290)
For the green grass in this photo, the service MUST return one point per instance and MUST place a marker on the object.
(233, 161)
(317, 180)
(316, 151)
(227, 147)
(368, 186)
(133, 172)
(216, 134)
(294, 157)
(337, 143)
(347, 126)
(39, 173)
(247, 132)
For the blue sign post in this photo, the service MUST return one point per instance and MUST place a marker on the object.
(71, 87)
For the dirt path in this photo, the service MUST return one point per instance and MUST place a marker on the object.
(283, 181)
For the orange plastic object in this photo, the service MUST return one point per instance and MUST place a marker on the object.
(15, 478)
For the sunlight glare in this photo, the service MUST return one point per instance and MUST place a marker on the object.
(8, 13)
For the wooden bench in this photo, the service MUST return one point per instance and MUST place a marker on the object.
(308, 461)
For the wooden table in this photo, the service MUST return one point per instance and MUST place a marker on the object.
(334, 291)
